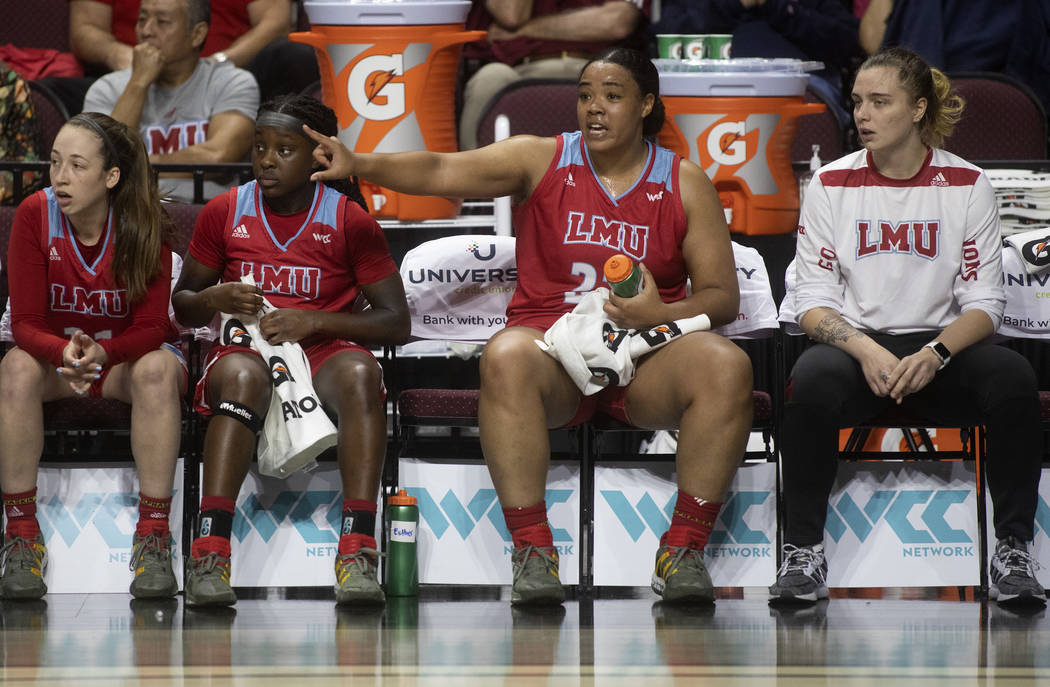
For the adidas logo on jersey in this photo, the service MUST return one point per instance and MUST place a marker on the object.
(323, 238)
(938, 180)
(241, 232)
(569, 181)
(54, 254)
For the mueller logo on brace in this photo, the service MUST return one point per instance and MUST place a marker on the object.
(919, 238)
(284, 280)
(373, 90)
(451, 512)
(732, 536)
(896, 507)
(596, 230)
(279, 371)
(99, 303)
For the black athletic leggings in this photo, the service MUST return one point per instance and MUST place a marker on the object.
(982, 385)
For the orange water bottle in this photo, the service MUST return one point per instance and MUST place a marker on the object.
(624, 277)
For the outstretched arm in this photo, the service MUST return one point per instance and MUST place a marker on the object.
(511, 167)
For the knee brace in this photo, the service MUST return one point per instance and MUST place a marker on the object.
(242, 413)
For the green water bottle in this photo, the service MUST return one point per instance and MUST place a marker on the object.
(624, 277)
(402, 521)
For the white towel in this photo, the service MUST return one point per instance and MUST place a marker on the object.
(1033, 247)
(596, 353)
(296, 429)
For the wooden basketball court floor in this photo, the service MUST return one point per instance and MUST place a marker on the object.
(472, 636)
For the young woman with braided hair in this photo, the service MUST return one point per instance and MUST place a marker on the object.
(280, 222)
(90, 279)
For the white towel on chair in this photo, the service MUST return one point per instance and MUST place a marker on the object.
(596, 353)
(296, 429)
(1033, 247)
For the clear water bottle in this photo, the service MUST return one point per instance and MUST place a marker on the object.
(402, 518)
(624, 277)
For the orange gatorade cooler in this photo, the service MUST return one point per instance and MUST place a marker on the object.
(389, 72)
(736, 119)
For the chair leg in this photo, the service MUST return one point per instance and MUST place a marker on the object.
(588, 445)
(977, 435)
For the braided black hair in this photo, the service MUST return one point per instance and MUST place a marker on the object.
(321, 119)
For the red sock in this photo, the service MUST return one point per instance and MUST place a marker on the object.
(529, 525)
(20, 510)
(153, 516)
(692, 522)
(350, 543)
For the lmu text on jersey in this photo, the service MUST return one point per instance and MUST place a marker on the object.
(630, 239)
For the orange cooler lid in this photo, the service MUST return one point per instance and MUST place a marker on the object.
(618, 268)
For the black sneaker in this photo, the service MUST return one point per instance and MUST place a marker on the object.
(802, 576)
(1012, 575)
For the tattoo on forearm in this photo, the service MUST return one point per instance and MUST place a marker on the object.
(834, 329)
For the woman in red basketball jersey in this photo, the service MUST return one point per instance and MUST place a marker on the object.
(312, 251)
(580, 198)
(90, 280)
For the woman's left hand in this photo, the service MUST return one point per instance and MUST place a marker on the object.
(912, 373)
(286, 325)
(639, 311)
(82, 362)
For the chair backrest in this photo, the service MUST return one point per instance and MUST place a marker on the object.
(542, 107)
(184, 215)
(50, 115)
(1003, 119)
(37, 24)
(458, 287)
(822, 129)
(757, 318)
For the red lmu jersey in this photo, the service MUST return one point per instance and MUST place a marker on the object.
(571, 225)
(82, 295)
(317, 262)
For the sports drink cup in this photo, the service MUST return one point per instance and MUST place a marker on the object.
(717, 46)
(694, 47)
(669, 46)
(402, 517)
(624, 277)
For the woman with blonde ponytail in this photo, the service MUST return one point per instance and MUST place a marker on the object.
(899, 286)
(90, 278)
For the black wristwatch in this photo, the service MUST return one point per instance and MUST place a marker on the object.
(941, 351)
